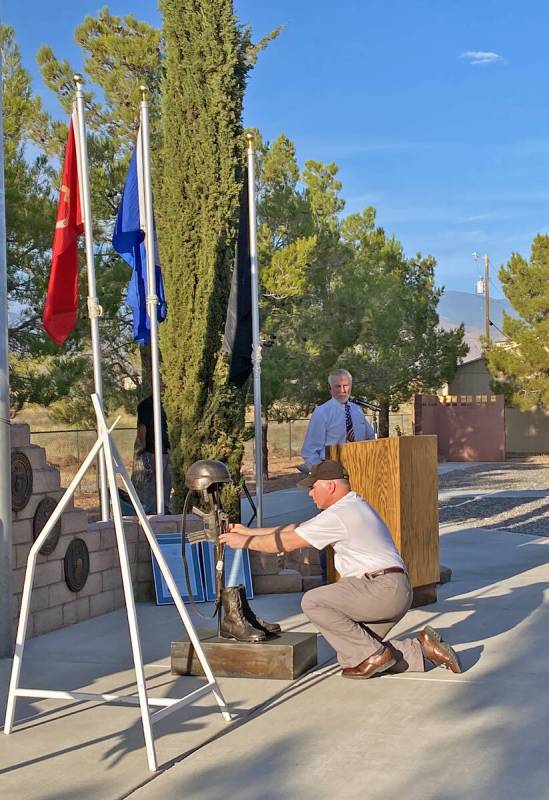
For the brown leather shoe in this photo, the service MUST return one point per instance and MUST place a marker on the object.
(374, 665)
(437, 651)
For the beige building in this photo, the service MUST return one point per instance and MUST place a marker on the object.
(471, 378)
(526, 432)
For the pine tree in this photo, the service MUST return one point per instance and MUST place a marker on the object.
(207, 57)
(520, 366)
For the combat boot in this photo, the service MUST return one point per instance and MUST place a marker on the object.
(270, 628)
(234, 624)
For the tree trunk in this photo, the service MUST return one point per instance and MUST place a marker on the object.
(383, 431)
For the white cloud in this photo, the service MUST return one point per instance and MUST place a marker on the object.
(480, 57)
(476, 218)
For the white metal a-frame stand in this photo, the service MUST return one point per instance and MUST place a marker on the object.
(114, 465)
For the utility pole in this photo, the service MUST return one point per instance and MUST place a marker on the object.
(487, 297)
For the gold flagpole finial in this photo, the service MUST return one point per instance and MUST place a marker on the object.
(143, 90)
(78, 78)
(250, 138)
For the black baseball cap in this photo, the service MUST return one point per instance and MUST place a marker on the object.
(325, 471)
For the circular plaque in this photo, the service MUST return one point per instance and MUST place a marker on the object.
(43, 512)
(77, 565)
(21, 481)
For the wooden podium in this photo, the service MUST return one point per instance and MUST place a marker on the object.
(398, 478)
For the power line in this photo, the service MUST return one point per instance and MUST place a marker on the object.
(498, 289)
(493, 324)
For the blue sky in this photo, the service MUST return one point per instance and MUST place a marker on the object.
(436, 111)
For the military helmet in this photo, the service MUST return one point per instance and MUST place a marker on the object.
(202, 474)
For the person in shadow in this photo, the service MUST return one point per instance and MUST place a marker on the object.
(144, 450)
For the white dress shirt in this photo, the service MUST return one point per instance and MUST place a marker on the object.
(361, 540)
(327, 426)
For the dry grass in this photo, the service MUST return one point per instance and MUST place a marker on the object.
(66, 448)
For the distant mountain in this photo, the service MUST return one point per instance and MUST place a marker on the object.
(457, 307)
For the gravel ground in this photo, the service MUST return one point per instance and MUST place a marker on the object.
(516, 515)
(497, 477)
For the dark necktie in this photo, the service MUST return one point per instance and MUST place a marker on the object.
(349, 423)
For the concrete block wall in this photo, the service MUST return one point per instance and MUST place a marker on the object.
(54, 605)
(306, 561)
(270, 575)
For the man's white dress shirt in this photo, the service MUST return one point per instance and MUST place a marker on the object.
(327, 426)
(361, 540)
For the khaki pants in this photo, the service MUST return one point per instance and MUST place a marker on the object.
(355, 614)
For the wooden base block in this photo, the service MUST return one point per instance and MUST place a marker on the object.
(283, 657)
(424, 595)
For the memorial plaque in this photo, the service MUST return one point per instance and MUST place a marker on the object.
(21, 481)
(43, 512)
(77, 565)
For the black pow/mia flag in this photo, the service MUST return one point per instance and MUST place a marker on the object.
(237, 341)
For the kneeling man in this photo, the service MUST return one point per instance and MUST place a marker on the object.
(374, 592)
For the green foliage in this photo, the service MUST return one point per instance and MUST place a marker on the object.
(399, 349)
(207, 59)
(287, 274)
(30, 220)
(286, 248)
(337, 292)
(121, 54)
(520, 366)
(302, 260)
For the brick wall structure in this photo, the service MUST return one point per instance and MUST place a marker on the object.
(53, 604)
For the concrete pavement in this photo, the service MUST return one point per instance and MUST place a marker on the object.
(431, 736)
(428, 736)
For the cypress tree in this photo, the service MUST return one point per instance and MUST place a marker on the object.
(207, 58)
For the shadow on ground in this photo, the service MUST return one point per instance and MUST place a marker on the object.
(521, 515)
(479, 736)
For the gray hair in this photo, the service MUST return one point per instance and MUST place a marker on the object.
(339, 373)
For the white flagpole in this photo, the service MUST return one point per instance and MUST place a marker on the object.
(144, 179)
(94, 309)
(256, 349)
(6, 597)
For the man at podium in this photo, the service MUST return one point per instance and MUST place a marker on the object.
(355, 614)
(337, 421)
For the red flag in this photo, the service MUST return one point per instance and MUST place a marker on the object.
(61, 307)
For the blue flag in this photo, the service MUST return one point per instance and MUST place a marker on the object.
(129, 241)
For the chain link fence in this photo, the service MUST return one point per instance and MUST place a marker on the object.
(285, 439)
(66, 449)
